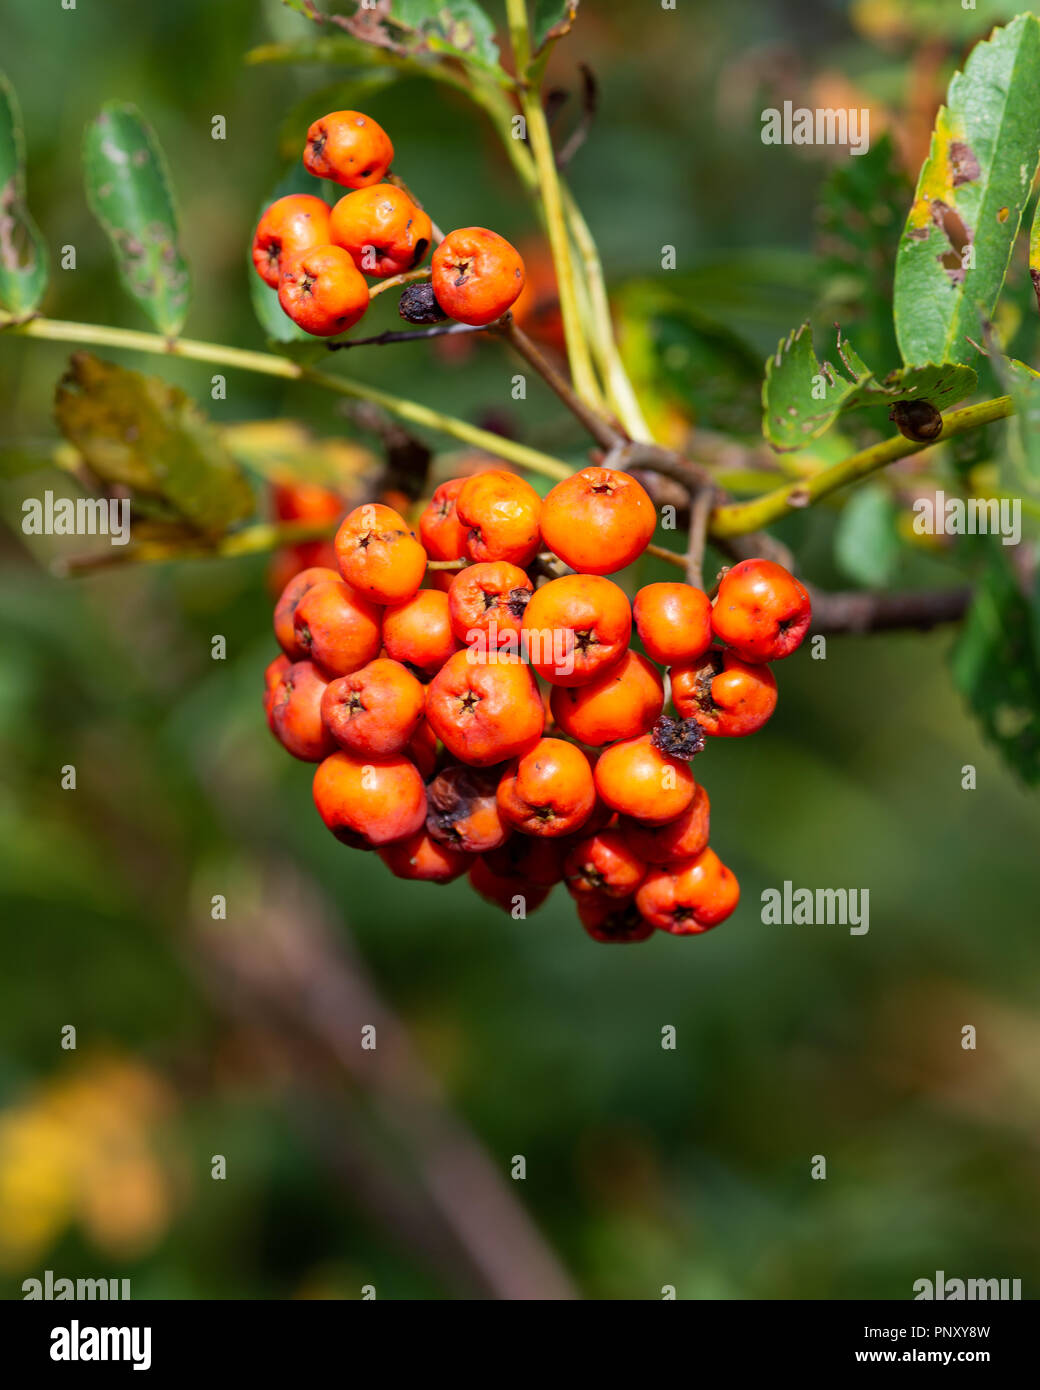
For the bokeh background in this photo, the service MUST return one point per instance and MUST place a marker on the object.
(644, 1167)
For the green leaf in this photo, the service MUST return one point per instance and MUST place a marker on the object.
(1019, 470)
(858, 239)
(802, 397)
(1034, 252)
(942, 385)
(277, 325)
(970, 197)
(866, 542)
(139, 431)
(129, 192)
(458, 27)
(996, 663)
(23, 252)
(551, 21)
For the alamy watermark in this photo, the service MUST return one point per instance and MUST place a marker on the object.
(61, 1289)
(946, 1290)
(80, 516)
(823, 126)
(791, 906)
(939, 515)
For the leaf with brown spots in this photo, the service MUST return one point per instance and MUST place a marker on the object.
(129, 192)
(23, 252)
(971, 193)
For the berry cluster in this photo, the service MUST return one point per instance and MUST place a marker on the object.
(499, 722)
(317, 257)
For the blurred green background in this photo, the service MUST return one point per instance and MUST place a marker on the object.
(644, 1167)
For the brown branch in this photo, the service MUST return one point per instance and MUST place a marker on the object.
(701, 502)
(856, 612)
(602, 431)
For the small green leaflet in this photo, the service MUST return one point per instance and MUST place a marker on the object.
(802, 397)
(971, 193)
(129, 192)
(552, 20)
(866, 542)
(23, 252)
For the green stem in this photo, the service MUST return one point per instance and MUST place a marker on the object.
(270, 364)
(737, 519)
(549, 186)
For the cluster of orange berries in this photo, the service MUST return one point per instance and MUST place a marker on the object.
(317, 258)
(499, 722)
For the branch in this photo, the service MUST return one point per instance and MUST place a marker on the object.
(602, 431)
(700, 508)
(437, 330)
(866, 612)
(737, 518)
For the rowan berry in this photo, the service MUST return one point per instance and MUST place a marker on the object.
(598, 521)
(487, 603)
(350, 148)
(273, 674)
(576, 627)
(375, 710)
(291, 560)
(499, 512)
(681, 838)
(690, 896)
(418, 632)
(548, 791)
(623, 702)
(603, 863)
(336, 629)
(517, 896)
(485, 707)
(761, 611)
(378, 554)
(285, 608)
(381, 229)
(423, 749)
(533, 858)
(322, 291)
(476, 275)
(422, 858)
(290, 225)
(463, 809)
(369, 802)
(673, 621)
(728, 697)
(418, 304)
(440, 530)
(303, 501)
(639, 780)
(294, 712)
(612, 921)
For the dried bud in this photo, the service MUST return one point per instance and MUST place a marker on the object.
(679, 738)
(916, 420)
(418, 304)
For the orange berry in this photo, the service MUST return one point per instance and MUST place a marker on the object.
(290, 225)
(422, 858)
(761, 611)
(499, 512)
(477, 275)
(489, 600)
(517, 896)
(548, 791)
(288, 602)
(612, 920)
(368, 802)
(375, 710)
(294, 712)
(533, 858)
(379, 555)
(623, 702)
(681, 838)
(485, 708)
(381, 229)
(729, 698)
(673, 621)
(418, 632)
(349, 148)
(576, 627)
(462, 809)
(440, 530)
(598, 521)
(336, 629)
(322, 291)
(603, 863)
(690, 896)
(637, 779)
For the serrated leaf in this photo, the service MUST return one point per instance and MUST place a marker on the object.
(942, 385)
(970, 197)
(551, 21)
(23, 252)
(129, 191)
(866, 542)
(802, 397)
(139, 431)
(277, 324)
(996, 663)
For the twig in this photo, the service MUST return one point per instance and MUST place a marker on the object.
(394, 282)
(589, 102)
(602, 431)
(856, 612)
(437, 330)
(701, 500)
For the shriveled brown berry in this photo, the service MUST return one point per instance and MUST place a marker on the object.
(418, 304)
(679, 738)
